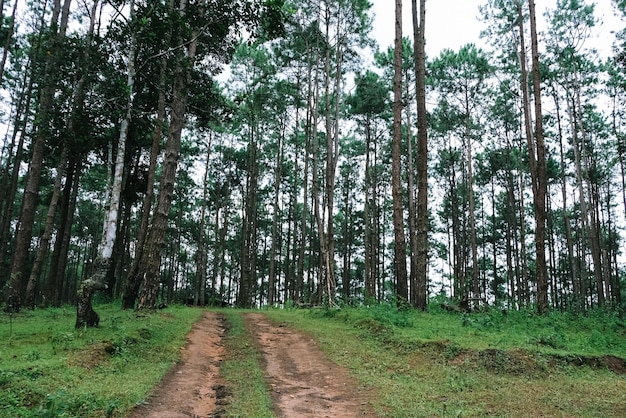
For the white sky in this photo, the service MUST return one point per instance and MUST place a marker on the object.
(453, 23)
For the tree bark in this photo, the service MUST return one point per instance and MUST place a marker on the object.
(151, 258)
(309, 136)
(77, 102)
(44, 242)
(421, 292)
(14, 288)
(199, 298)
(541, 179)
(85, 315)
(588, 220)
(275, 219)
(133, 280)
(9, 183)
(368, 217)
(472, 207)
(247, 285)
(54, 283)
(573, 273)
(411, 197)
(396, 167)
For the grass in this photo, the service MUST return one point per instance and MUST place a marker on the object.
(490, 364)
(505, 364)
(243, 372)
(49, 369)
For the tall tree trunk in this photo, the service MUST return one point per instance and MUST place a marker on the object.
(523, 285)
(201, 254)
(421, 293)
(121, 250)
(411, 195)
(458, 263)
(275, 218)
(541, 177)
(396, 167)
(77, 103)
(44, 242)
(151, 259)
(472, 208)
(312, 139)
(569, 241)
(529, 141)
(593, 219)
(369, 219)
(9, 183)
(324, 214)
(511, 228)
(621, 149)
(249, 246)
(302, 229)
(589, 223)
(133, 279)
(14, 288)
(347, 243)
(291, 270)
(85, 315)
(54, 284)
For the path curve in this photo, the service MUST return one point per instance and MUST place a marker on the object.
(193, 387)
(304, 383)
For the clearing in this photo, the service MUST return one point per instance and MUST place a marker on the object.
(302, 381)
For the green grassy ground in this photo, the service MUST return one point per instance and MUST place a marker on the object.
(491, 364)
(414, 364)
(243, 372)
(49, 369)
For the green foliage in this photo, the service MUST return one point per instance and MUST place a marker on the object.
(377, 319)
(452, 351)
(552, 340)
(370, 97)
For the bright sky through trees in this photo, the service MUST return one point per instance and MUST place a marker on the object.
(453, 23)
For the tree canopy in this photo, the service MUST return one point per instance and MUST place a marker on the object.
(240, 153)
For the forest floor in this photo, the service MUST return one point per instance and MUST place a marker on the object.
(376, 361)
(302, 381)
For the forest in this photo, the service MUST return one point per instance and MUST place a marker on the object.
(257, 153)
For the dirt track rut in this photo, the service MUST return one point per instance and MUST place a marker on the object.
(304, 384)
(193, 386)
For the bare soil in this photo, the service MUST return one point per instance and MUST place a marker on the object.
(303, 382)
(193, 387)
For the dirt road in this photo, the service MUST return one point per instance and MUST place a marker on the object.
(303, 382)
(193, 387)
